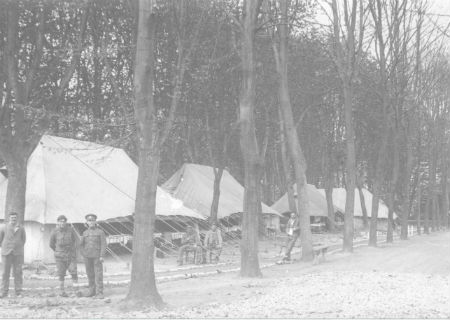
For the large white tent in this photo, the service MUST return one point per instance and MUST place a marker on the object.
(339, 199)
(194, 184)
(73, 178)
(317, 202)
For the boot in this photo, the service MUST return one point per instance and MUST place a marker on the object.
(62, 292)
(91, 292)
(74, 287)
(99, 295)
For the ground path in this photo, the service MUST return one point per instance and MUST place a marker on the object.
(404, 279)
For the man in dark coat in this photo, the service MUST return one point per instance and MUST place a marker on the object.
(12, 241)
(63, 242)
(93, 248)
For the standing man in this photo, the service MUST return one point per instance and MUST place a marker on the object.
(12, 241)
(293, 232)
(63, 242)
(213, 243)
(93, 248)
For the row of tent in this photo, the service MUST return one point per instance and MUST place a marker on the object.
(318, 205)
(74, 177)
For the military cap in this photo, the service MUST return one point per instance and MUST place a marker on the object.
(61, 217)
(91, 215)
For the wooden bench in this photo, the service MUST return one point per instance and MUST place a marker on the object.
(319, 252)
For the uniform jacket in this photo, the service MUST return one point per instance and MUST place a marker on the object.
(293, 227)
(63, 242)
(191, 238)
(93, 243)
(12, 239)
(213, 238)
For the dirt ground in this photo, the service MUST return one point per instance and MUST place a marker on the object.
(406, 279)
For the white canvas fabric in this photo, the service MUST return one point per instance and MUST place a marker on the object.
(193, 184)
(339, 199)
(73, 177)
(317, 202)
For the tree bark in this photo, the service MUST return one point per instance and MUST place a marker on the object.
(444, 188)
(350, 169)
(143, 291)
(363, 207)
(249, 146)
(419, 206)
(218, 172)
(294, 147)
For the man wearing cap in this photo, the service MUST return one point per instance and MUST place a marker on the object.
(63, 242)
(93, 248)
(12, 241)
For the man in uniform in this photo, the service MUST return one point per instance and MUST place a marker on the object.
(213, 243)
(293, 232)
(63, 242)
(12, 241)
(93, 248)
(189, 243)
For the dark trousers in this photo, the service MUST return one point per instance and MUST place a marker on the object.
(290, 245)
(94, 271)
(66, 264)
(16, 261)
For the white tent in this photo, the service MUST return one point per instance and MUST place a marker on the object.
(317, 202)
(73, 178)
(194, 184)
(339, 199)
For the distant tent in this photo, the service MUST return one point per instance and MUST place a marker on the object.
(193, 184)
(73, 178)
(317, 202)
(339, 199)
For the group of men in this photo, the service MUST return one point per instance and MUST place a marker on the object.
(212, 245)
(65, 243)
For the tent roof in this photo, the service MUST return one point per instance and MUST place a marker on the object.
(73, 177)
(317, 202)
(339, 199)
(194, 184)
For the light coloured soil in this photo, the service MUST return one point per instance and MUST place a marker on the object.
(406, 279)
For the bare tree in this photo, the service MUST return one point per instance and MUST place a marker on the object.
(348, 35)
(294, 147)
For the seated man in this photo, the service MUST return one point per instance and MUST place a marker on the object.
(213, 243)
(189, 243)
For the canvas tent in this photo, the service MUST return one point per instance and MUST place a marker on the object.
(193, 184)
(339, 199)
(317, 202)
(73, 178)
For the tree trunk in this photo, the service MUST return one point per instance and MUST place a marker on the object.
(419, 207)
(350, 169)
(143, 291)
(330, 207)
(294, 147)
(363, 207)
(431, 188)
(374, 218)
(249, 146)
(444, 188)
(286, 167)
(393, 188)
(216, 195)
(406, 203)
(17, 184)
